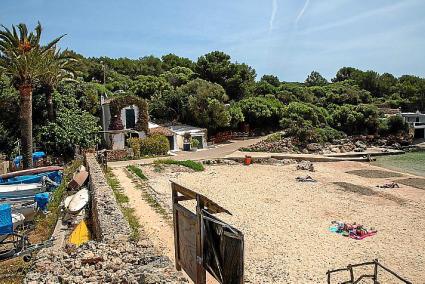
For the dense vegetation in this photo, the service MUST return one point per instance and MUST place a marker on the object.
(212, 92)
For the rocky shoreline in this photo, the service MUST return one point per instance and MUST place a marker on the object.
(349, 144)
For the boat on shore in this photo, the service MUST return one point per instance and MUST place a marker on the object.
(55, 176)
(76, 202)
(21, 192)
(28, 172)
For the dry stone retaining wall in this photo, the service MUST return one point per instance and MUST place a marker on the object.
(110, 259)
(108, 220)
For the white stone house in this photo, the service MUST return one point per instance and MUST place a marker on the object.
(416, 121)
(175, 134)
(116, 139)
(197, 133)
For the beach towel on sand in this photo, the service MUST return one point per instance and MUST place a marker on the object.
(353, 231)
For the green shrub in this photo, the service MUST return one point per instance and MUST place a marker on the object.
(275, 137)
(328, 134)
(396, 124)
(135, 145)
(154, 145)
(194, 143)
(392, 125)
(71, 127)
(305, 132)
(198, 167)
(383, 128)
(137, 171)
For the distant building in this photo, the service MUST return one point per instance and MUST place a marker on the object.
(416, 121)
(175, 133)
(390, 111)
(124, 124)
(125, 117)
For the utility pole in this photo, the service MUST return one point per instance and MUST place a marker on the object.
(104, 72)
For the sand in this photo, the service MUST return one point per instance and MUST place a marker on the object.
(286, 223)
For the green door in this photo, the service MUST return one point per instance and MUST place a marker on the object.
(130, 119)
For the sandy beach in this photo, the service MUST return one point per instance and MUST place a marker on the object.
(286, 223)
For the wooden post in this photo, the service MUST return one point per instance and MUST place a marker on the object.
(200, 270)
(375, 272)
(351, 273)
(176, 232)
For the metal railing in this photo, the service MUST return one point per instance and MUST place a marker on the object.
(373, 276)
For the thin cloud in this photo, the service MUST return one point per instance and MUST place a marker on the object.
(301, 13)
(369, 13)
(273, 15)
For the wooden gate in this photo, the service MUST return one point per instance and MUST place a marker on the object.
(188, 233)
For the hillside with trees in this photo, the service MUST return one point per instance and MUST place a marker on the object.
(213, 92)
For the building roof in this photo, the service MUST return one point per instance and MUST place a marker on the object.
(152, 125)
(418, 113)
(180, 129)
(161, 130)
(390, 111)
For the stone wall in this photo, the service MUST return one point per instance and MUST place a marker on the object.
(119, 155)
(108, 220)
(112, 257)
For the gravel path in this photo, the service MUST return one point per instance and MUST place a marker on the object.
(286, 222)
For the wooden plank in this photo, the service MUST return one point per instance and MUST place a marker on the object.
(78, 180)
(183, 198)
(211, 206)
(200, 270)
(186, 241)
(176, 225)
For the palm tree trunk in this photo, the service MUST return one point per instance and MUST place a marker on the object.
(25, 92)
(49, 104)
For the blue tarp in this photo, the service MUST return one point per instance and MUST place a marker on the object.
(35, 156)
(42, 200)
(6, 223)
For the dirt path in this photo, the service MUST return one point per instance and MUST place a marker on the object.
(220, 151)
(157, 228)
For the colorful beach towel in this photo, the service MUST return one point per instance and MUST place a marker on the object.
(353, 231)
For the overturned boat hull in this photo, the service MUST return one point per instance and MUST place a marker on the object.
(21, 192)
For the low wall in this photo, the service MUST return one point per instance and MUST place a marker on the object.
(107, 218)
(119, 155)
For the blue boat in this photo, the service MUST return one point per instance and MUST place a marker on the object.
(55, 176)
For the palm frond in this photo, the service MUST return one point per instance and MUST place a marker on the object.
(53, 42)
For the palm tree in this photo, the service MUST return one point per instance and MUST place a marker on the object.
(23, 59)
(59, 67)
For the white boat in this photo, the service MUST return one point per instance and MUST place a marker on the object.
(20, 191)
(77, 202)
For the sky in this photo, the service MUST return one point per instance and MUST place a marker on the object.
(287, 38)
